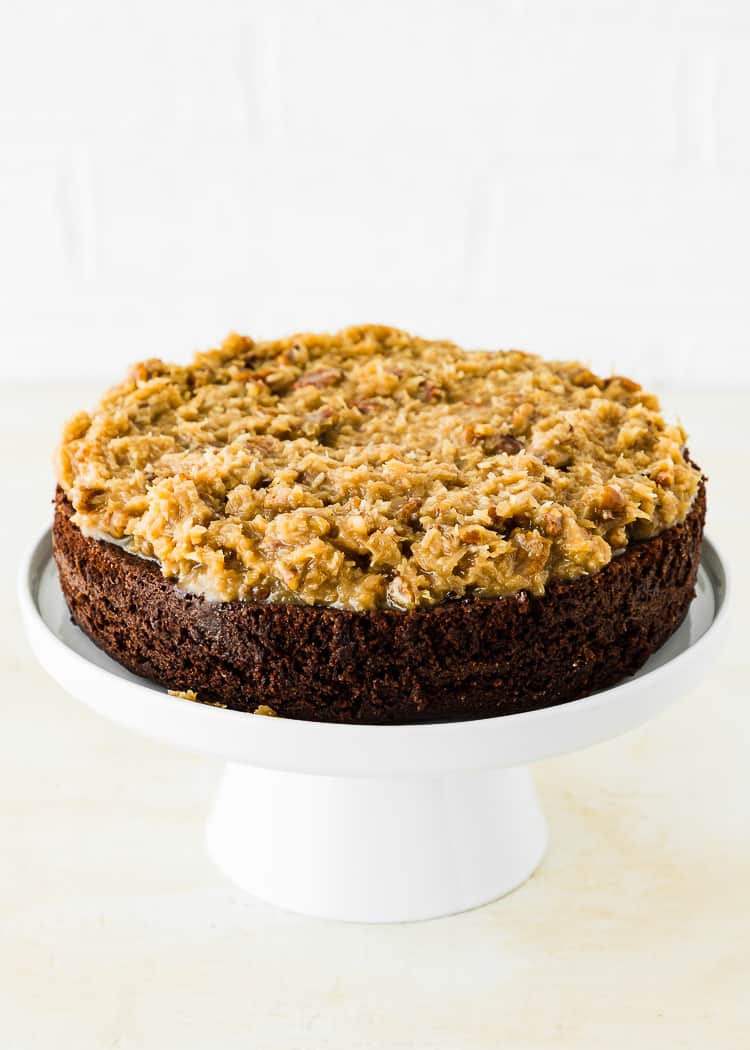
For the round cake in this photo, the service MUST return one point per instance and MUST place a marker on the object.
(371, 527)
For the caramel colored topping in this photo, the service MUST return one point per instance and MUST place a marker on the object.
(371, 468)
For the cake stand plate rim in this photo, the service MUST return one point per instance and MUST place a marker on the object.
(362, 750)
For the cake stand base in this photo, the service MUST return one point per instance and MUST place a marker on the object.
(376, 850)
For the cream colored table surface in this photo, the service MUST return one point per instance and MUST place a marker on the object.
(116, 931)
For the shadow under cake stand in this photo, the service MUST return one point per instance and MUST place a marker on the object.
(371, 823)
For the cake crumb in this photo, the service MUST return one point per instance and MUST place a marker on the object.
(264, 709)
(190, 694)
(184, 694)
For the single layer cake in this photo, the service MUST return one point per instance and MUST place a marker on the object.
(373, 527)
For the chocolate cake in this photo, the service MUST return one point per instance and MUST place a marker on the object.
(369, 527)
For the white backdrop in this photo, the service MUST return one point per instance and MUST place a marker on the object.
(569, 178)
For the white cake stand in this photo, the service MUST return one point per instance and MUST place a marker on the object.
(371, 823)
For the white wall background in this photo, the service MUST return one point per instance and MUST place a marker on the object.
(573, 178)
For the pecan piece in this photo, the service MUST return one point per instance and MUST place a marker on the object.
(429, 392)
(624, 382)
(585, 377)
(407, 512)
(553, 521)
(471, 534)
(612, 499)
(502, 443)
(365, 406)
(320, 378)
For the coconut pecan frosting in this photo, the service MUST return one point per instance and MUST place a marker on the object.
(372, 469)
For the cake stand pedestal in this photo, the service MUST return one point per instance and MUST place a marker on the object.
(371, 823)
(379, 850)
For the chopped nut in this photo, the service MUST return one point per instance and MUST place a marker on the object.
(613, 499)
(664, 475)
(585, 377)
(624, 383)
(470, 534)
(367, 408)
(553, 521)
(321, 378)
(502, 443)
(429, 393)
(407, 512)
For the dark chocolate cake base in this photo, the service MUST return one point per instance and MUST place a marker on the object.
(463, 659)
